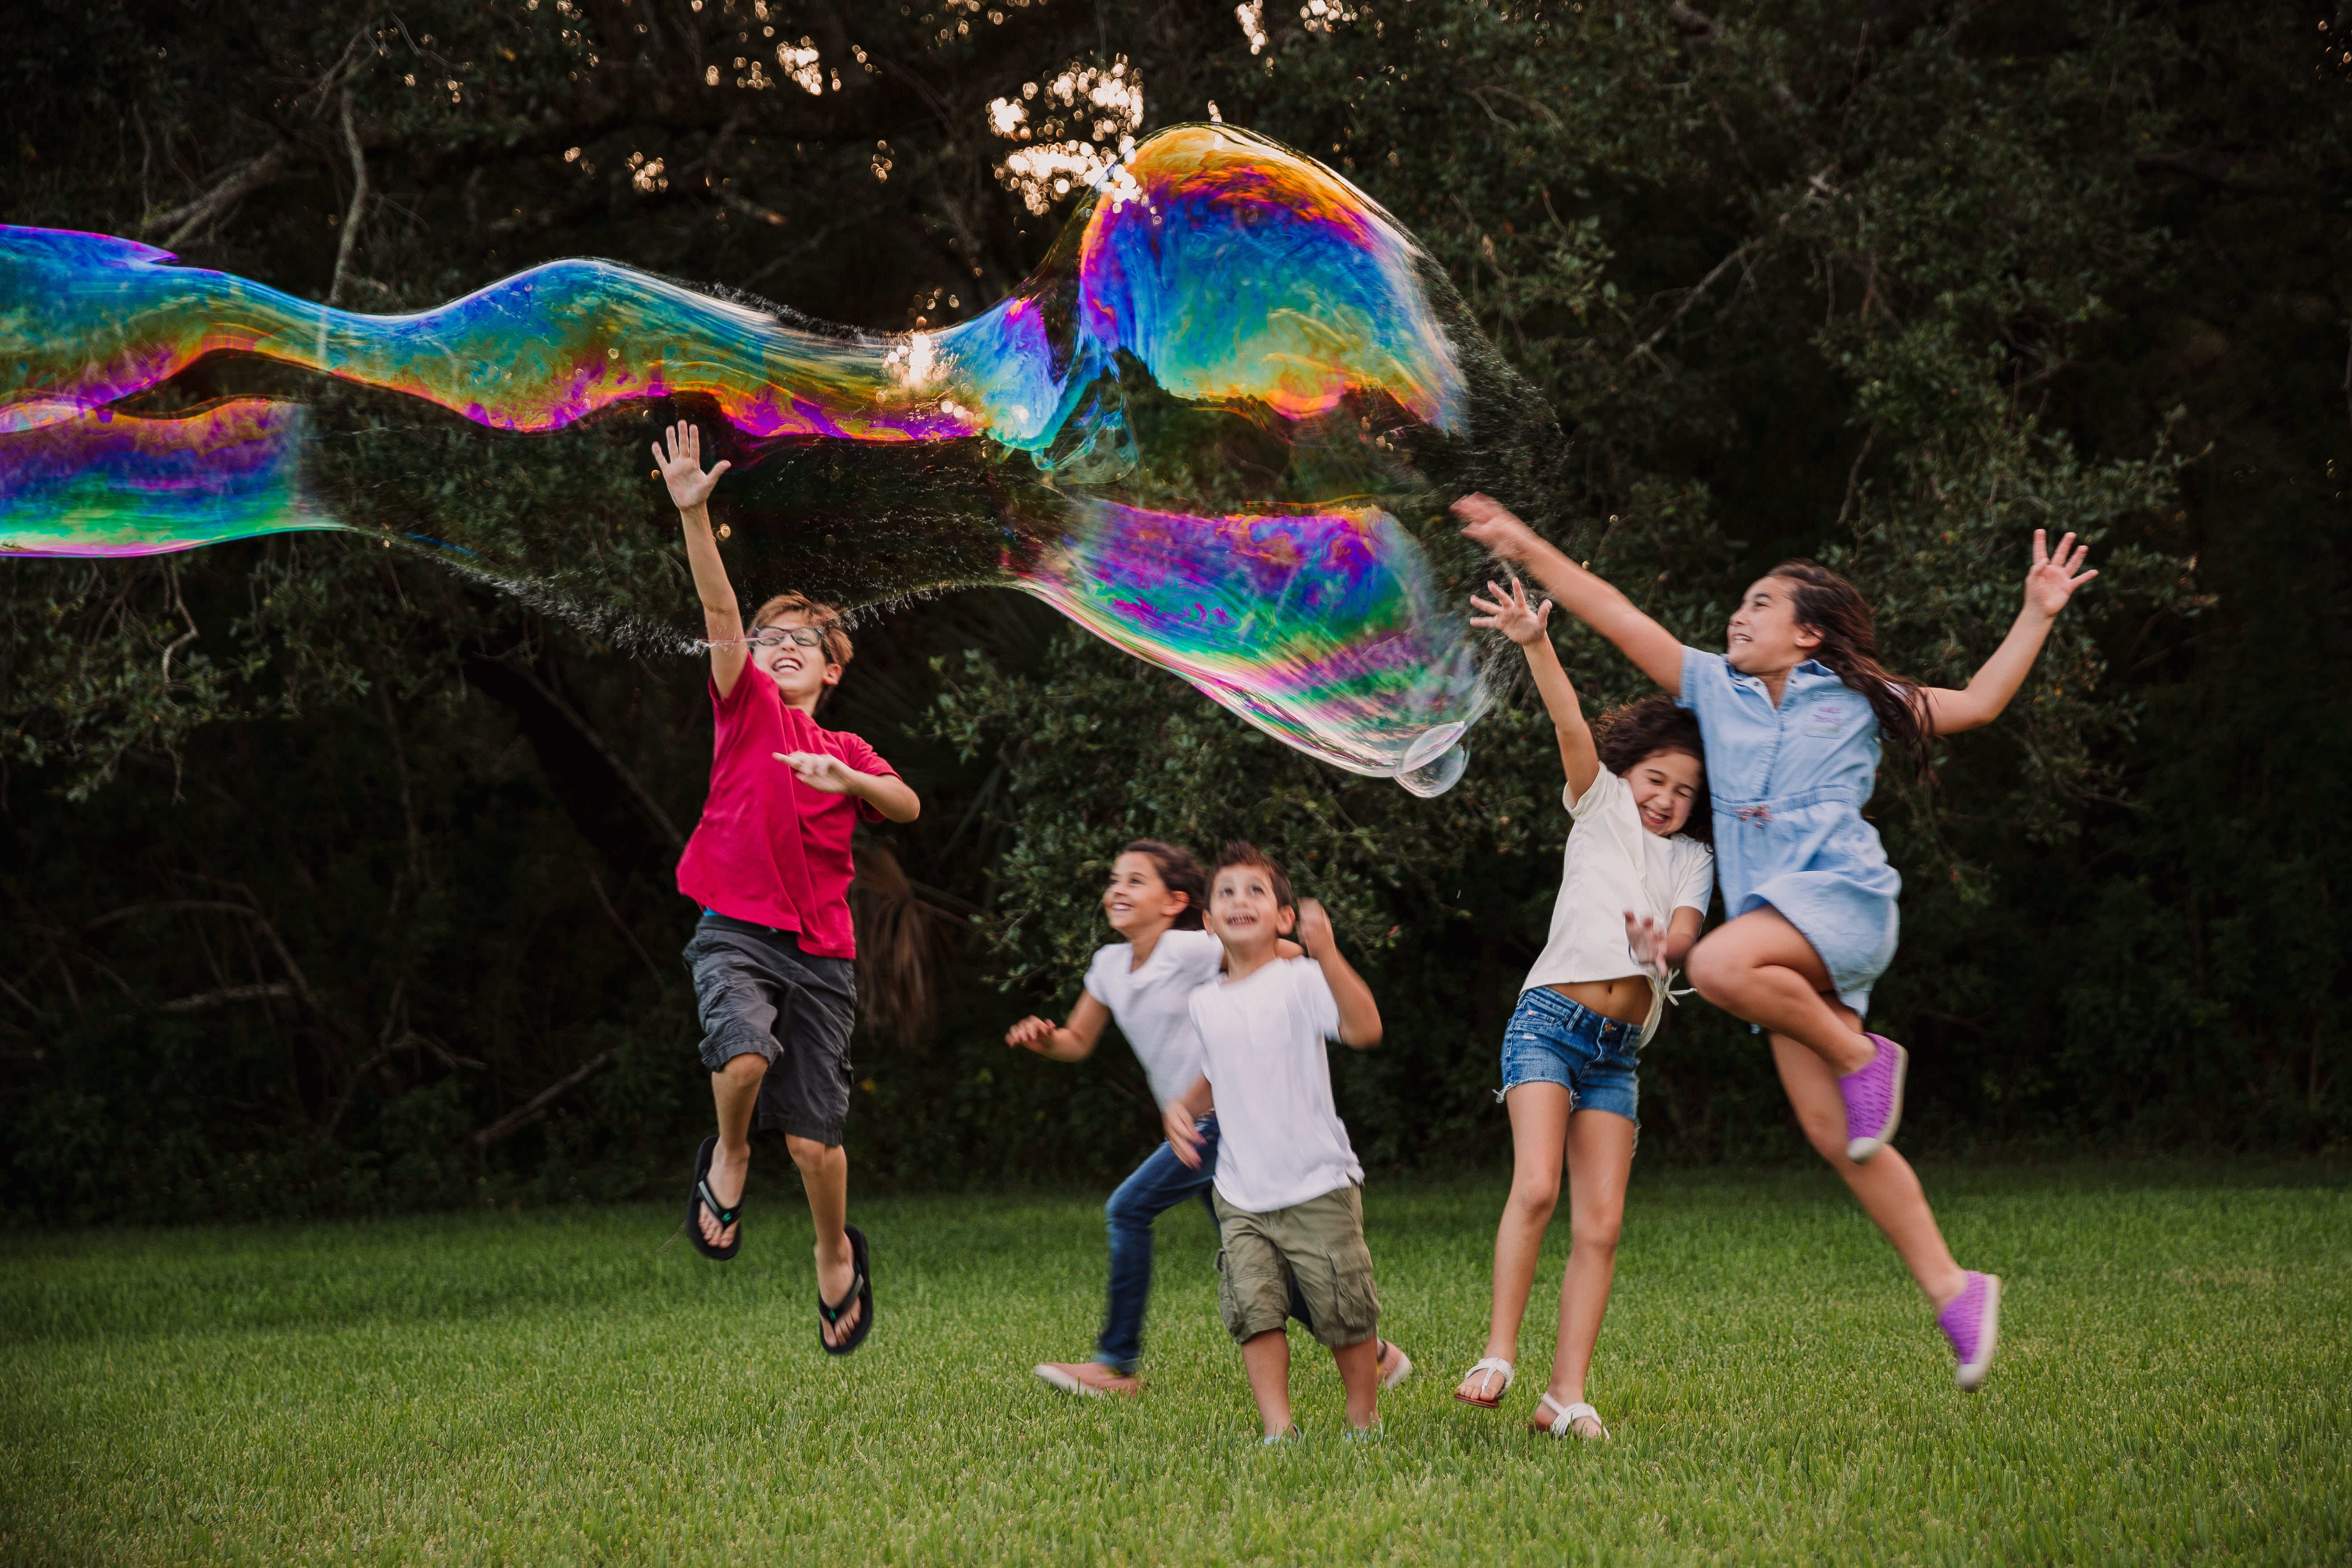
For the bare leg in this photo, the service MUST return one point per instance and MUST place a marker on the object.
(1599, 1159)
(825, 1171)
(735, 1089)
(1887, 1187)
(1266, 1358)
(1359, 1375)
(1760, 968)
(1539, 1117)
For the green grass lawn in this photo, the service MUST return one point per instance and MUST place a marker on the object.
(2175, 1384)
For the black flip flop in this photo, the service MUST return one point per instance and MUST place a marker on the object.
(861, 1291)
(702, 1197)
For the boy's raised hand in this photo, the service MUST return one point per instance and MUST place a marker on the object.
(1314, 928)
(2053, 577)
(1485, 521)
(681, 466)
(1509, 614)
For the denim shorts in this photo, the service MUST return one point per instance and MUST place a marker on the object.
(1551, 1039)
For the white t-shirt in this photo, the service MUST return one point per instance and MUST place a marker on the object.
(1153, 1005)
(1279, 1137)
(1613, 864)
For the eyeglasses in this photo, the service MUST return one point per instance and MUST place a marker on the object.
(777, 637)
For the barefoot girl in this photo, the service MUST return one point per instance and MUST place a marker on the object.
(1634, 890)
(1792, 715)
(1145, 981)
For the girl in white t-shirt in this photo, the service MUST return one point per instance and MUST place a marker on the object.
(1145, 983)
(1635, 887)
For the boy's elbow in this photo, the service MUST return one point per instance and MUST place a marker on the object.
(1361, 1039)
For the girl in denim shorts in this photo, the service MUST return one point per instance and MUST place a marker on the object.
(1634, 886)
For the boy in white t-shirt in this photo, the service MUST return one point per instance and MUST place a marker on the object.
(1144, 982)
(1634, 886)
(1289, 1193)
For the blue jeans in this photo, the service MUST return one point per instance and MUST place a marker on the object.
(1157, 1185)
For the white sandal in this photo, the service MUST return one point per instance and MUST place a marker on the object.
(1565, 1422)
(1493, 1364)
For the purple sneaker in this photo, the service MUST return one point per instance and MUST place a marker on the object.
(1874, 1101)
(1972, 1322)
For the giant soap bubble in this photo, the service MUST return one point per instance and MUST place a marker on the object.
(1216, 428)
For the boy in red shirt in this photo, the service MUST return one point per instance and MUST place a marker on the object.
(769, 864)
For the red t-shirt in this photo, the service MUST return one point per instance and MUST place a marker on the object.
(770, 850)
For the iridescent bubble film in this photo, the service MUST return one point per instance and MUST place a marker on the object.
(1212, 428)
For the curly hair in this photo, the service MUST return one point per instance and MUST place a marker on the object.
(1179, 872)
(1625, 735)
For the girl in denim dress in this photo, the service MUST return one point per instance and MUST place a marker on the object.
(1794, 714)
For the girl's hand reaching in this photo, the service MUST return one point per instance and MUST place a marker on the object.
(681, 466)
(1509, 614)
(2052, 579)
(1485, 521)
(1032, 1032)
(1647, 939)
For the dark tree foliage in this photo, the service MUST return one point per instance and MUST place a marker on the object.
(334, 881)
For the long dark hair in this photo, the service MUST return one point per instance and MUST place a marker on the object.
(1827, 604)
(1624, 736)
(1179, 872)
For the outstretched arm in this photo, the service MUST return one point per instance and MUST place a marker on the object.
(690, 490)
(2049, 584)
(1653, 649)
(1072, 1042)
(1360, 1015)
(1508, 614)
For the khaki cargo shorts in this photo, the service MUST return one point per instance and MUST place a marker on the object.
(1319, 1244)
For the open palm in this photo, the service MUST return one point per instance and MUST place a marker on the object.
(2054, 576)
(1510, 614)
(681, 466)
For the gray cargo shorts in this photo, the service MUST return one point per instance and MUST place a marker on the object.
(755, 991)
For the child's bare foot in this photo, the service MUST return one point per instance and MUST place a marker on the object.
(728, 1174)
(836, 1273)
(1394, 1365)
(1090, 1378)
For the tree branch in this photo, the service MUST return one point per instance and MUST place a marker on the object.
(535, 1109)
(359, 204)
(242, 181)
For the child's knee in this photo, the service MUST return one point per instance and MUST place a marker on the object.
(1533, 1201)
(1713, 970)
(744, 1069)
(808, 1153)
(1595, 1233)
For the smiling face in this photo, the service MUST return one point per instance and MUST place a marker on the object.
(1245, 913)
(1666, 786)
(1136, 903)
(801, 673)
(1765, 636)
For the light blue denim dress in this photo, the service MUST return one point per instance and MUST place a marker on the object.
(1788, 785)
